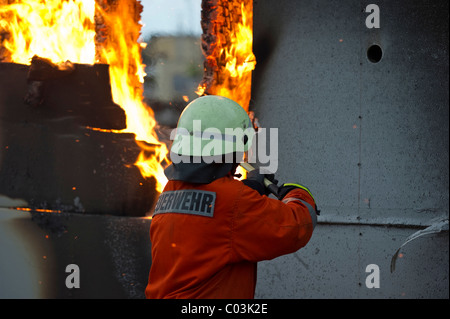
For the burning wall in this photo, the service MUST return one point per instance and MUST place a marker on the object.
(100, 39)
(50, 156)
(107, 32)
(227, 43)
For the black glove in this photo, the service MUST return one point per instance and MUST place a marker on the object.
(255, 180)
(286, 188)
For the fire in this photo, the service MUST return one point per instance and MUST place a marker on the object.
(37, 210)
(54, 29)
(122, 52)
(62, 30)
(66, 30)
(231, 55)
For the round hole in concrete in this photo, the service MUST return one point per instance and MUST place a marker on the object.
(374, 53)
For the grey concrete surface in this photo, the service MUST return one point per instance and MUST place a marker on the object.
(369, 139)
(112, 253)
(333, 265)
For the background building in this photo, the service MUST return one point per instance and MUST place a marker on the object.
(174, 71)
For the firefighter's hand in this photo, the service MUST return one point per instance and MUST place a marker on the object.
(284, 189)
(255, 180)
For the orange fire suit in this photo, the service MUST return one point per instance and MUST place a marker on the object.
(207, 238)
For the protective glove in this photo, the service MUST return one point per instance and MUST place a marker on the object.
(255, 180)
(287, 187)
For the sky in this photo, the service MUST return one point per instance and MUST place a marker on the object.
(171, 17)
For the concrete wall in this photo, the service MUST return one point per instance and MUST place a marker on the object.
(112, 253)
(369, 139)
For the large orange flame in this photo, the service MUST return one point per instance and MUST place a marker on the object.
(122, 52)
(63, 30)
(54, 29)
(232, 54)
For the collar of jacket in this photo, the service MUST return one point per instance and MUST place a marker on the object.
(202, 173)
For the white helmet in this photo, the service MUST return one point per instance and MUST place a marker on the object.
(212, 125)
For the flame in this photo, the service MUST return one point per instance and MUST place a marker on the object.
(122, 52)
(66, 30)
(54, 29)
(233, 55)
(240, 61)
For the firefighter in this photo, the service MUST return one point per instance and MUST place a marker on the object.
(209, 229)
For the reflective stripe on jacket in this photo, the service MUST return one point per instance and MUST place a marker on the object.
(207, 238)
